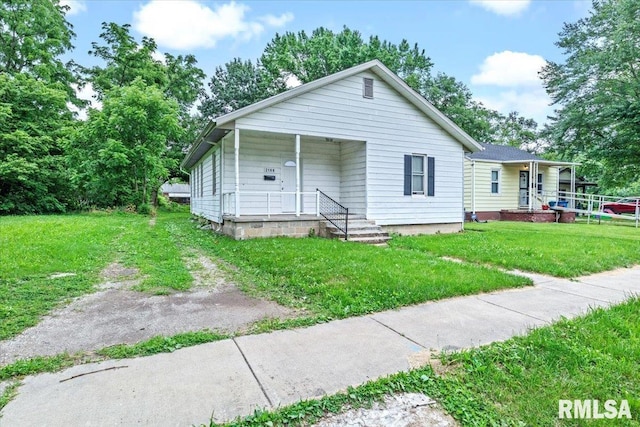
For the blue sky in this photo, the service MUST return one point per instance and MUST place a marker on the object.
(495, 47)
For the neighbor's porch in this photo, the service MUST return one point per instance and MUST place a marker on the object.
(284, 177)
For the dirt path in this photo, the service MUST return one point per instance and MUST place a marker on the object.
(115, 314)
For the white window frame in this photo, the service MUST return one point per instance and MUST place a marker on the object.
(214, 183)
(497, 181)
(422, 193)
(365, 81)
(540, 183)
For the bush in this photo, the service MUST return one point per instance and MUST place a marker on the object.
(145, 209)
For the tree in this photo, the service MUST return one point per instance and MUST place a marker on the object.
(120, 153)
(236, 85)
(33, 35)
(177, 77)
(517, 131)
(597, 90)
(34, 118)
(309, 58)
(126, 60)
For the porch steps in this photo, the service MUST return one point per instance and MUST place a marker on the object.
(360, 230)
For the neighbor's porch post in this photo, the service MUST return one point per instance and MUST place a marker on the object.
(473, 187)
(530, 193)
(297, 175)
(236, 152)
(573, 187)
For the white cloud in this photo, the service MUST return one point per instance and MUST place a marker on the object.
(159, 56)
(503, 7)
(75, 6)
(189, 24)
(88, 94)
(529, 102)
(277, 21)
(508, 81)
(510, 69)
(292, 81)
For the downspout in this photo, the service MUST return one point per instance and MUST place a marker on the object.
(236, 149)
(297, 175)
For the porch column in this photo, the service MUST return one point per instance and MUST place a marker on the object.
(530, 186)
(297, 175)
(236, 152)
(473, 187)
(572, 203)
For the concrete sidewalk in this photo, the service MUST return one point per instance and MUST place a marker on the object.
(234, 377)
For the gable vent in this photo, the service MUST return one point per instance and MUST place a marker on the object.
(367, 88)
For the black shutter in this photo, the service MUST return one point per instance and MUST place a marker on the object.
(431, 176)
(407, 175)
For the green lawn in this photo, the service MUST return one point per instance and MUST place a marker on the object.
(32, 248)
(513, 383)
(335, 279)
(563, 250)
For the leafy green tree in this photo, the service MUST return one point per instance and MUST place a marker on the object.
(126, 60)
(309, 58)
(33, 35)
(34, 118)
(121, 151)
(236, 85)
(517, 131)
(597, 90)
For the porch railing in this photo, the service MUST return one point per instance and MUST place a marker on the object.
(334, 212)
(271, 198)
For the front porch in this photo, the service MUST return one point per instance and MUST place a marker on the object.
(282, 175)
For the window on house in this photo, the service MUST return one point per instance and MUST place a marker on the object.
(495, 181)
(201, 181)
(419, 173)
(213, 174)
(367, 88)
(540, 183)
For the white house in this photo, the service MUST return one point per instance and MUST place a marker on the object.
(361, 136)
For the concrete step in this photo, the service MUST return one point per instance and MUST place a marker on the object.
(360, 230)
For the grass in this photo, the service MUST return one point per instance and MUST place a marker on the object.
(334, 279)
(562, 250)
(513, 383)
(34, 248)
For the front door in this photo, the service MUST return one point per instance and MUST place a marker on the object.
(524, 189)
(288, 185)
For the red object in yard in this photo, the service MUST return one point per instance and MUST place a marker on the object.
(545, 207)
(627, 205)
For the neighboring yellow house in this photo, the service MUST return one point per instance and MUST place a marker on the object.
(503, 178)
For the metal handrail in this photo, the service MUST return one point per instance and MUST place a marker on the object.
(334, 212)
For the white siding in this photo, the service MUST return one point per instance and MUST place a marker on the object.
(353, 173)
(391, 128)
(203, 200)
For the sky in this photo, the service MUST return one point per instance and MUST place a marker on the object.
(495, 47)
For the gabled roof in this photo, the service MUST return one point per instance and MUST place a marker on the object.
(215, 130)
(175, 188)
(507, 154)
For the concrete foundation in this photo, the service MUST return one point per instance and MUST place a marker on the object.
(414, 229)
(251, 227)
